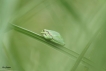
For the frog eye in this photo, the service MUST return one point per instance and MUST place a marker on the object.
(45, 35)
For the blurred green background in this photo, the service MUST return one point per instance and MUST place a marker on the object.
(77, 21)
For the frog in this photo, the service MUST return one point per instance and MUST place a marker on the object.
(53, 36)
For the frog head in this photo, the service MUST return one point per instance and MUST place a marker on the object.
(46, 34)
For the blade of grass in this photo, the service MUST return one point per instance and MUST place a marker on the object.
(54, 45)
(85, 50)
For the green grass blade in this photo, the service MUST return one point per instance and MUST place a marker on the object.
(84, 51)
(54, 45)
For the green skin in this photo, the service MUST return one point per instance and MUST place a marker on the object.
(52, 36)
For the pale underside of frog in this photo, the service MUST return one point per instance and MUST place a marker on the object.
(53, 36)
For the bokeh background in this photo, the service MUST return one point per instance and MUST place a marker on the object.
(78, 21)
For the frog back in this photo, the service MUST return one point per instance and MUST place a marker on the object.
(56, 37)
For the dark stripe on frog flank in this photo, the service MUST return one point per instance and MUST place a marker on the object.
(49, 34)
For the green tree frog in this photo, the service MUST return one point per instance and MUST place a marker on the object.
(53, 36)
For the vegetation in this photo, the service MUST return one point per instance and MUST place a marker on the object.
(81, 24)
